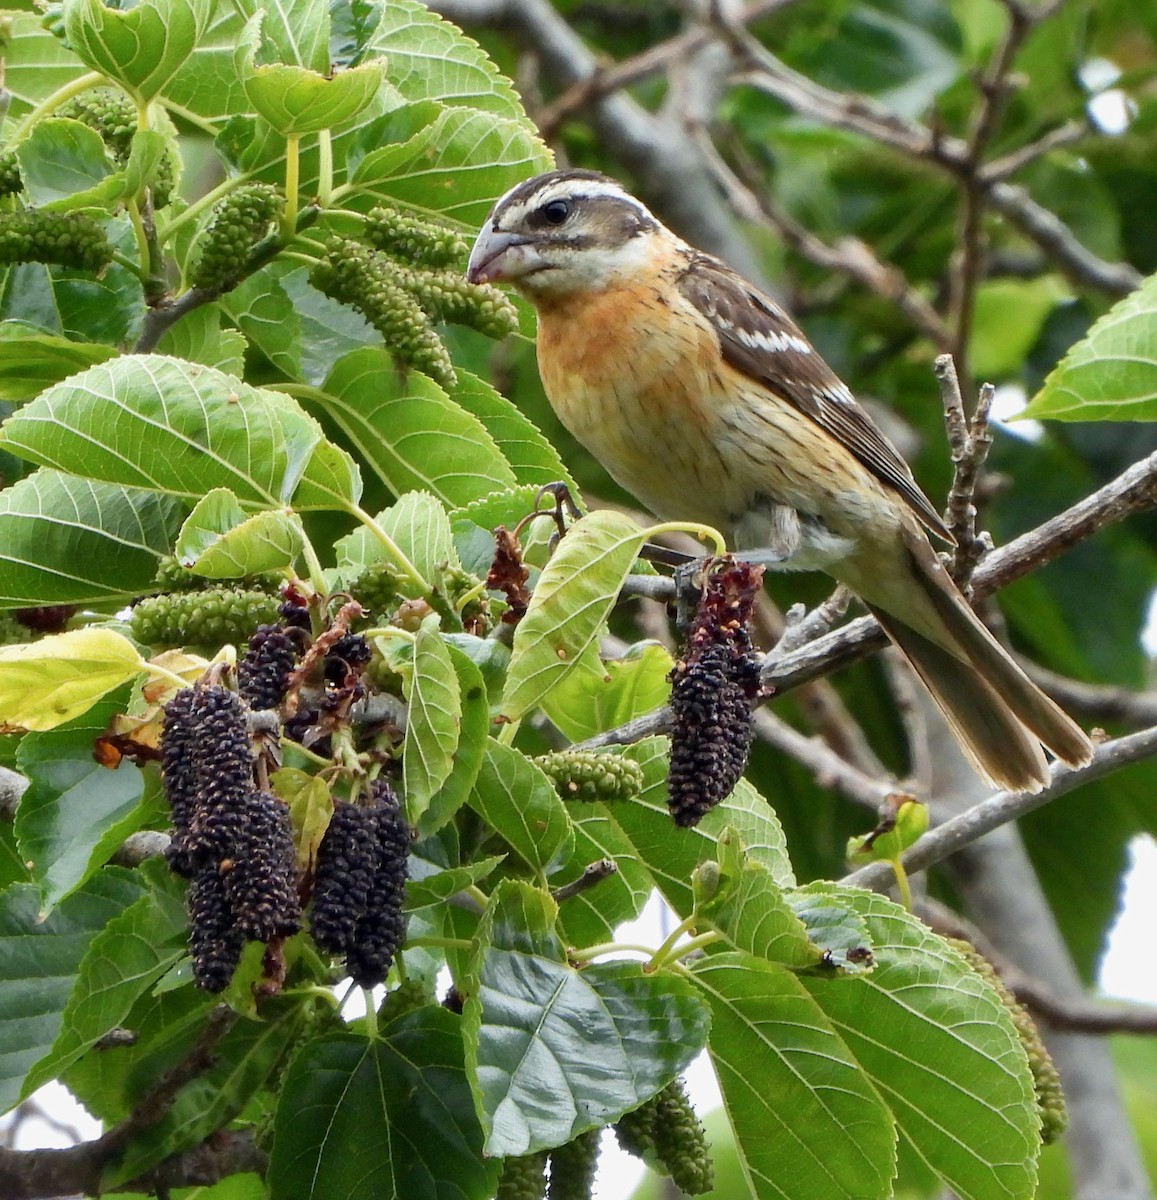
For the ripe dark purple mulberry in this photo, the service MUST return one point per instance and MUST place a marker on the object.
(713, 695)
(381, 929)
(346, 862)
(214, 940)
(263, 674)
(260, 871)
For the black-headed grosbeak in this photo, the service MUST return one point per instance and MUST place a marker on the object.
(703, 398)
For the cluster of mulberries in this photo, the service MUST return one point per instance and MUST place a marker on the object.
(210, 617)
(113, 115)
(371, 282)
(523, 1178)
(587, 775)
(666, 1133)
(229, 838)
(360, 883)
(263, 673)
(376, 590)
(412, 239)
(10, 178)
(237, 225)
(1050, 1097)
(446, 296)
(55, 238)
(713, 693)
(573, 1166)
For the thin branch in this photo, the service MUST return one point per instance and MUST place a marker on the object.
(868, 118)
(1004, 807)
(1008, 164)
(969, 442)
(1096, 701)
(593, 873)
(829, 768)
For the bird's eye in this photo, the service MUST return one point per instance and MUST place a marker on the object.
(555, 212)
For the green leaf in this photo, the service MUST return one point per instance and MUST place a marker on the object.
(36, 64)
(754, 916)
(419, 527)
(517, 799)
(455, 167)
(834, 926)
(557, 1051)
(590, 702)
(64, 165)
(433, 723)
(425, 890)
(198, 337)
(65, 540)
(409, 432)
(141, 47)
(807, 1121)
(45, 683)
(178, 428)
(294, 31)
(39, 962)
(466, 758)
(939, 1045)
(531, 457)
(1007, 320)
(1111, 373)
(245, 1061)
(220, 541)
(296, 100)
(670, 855)
(123, 961)
(386, 1118)
(571, 601)
(430, 59)
(31, 360)
(75, 813)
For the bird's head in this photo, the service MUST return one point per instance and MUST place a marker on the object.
(562, 232)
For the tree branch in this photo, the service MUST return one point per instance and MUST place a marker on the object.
(1004, 807)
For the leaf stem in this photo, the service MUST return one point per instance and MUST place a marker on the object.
(705, 533)
(440, 943)
(51, 103)
(292, 185)
(589, 952)
(142, 240)
(324, 167)
(312, 562)
(902, 882)
(128, 265)
(371, 1014)
(198, 206)
(477, 895)
(667, 949)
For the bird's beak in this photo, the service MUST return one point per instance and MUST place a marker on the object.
(499, 255)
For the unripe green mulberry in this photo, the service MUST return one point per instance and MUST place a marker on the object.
(208, 618)
(587, 775)
(54, 238)
(1050, 1097)
(376, 589)
(409, 995)
(681, 1142)
(111, 113)
(410, 238)
(372, 283)
(523, 1178)
(237, 225)
(446, 296)
(10, 179)
(12, 633)
(114, 116)
(573, 1166)
(172, 577)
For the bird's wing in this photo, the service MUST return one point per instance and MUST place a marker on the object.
(759, 338)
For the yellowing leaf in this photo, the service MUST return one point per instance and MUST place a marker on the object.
(48, 682)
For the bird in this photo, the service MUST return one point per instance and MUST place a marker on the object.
(703, 398)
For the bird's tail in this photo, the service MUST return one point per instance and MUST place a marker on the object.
(999, 716)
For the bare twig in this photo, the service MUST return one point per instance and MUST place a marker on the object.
(1096, 701)
(593, 873)
(1004, 807)
(829, 768)
(969, 442)
(1008, 164)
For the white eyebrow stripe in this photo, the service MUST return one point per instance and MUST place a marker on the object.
(570, 189)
